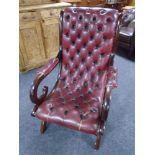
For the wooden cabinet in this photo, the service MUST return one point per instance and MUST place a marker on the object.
(39, 35)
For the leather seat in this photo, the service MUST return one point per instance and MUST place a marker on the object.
(74, 106)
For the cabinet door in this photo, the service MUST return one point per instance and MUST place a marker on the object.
(31, 45)
(50, 25)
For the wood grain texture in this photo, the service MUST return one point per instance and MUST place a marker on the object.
(31, 44)
(91, 3)
(43, 6)
(39, 36)
(35, 2)
(51, 31)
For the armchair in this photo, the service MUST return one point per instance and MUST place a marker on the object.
(80, 99)
(127, 32)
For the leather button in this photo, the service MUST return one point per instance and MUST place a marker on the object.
(95, 62)
(77, 106)
(81, 74)
(102, 55)
(67, 34)
(84, 45)
(94, 19)
(63, 79)
(72, 58)
(83, 60)
(89, 53)
(86, 27)
(97, 85)
(51, 108)
(78, 51)
(97, 46)
(74, 80)
(100, 28)
(76, 67)
(79, 35)
(109, 20)
(80, 18)
(67, 50)
(67, 17)
(75, 10)
(66, 112)
(85, 84)
(78, 89)
(73, 27)
(91, 37)
(89, 91)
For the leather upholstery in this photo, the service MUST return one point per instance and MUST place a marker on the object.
(128, 16)
(87, 42)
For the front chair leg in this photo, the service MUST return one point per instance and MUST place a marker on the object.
(98, 140)
(42, 127)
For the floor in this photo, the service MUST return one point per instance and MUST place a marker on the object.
(119, 137)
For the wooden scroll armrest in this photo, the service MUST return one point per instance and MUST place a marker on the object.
(111, 83)
(41, 74)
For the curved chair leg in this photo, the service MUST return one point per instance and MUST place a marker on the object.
(101, 130)
(42, 127)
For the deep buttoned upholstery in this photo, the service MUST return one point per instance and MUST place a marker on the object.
(87, 42)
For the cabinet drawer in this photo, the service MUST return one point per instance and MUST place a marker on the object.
(47, 14)
(36, 2)
(28, 16)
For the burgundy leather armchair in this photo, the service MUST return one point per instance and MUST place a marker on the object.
(81, 96)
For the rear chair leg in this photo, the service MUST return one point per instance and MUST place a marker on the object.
(42, 127)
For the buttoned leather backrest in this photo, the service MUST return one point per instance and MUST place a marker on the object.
(87, 42)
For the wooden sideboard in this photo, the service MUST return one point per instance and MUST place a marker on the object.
(39, 34)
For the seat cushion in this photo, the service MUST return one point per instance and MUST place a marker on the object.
(73, 107)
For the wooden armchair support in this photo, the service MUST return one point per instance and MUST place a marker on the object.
(80, 99)
(111, 84)
(41, 74)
